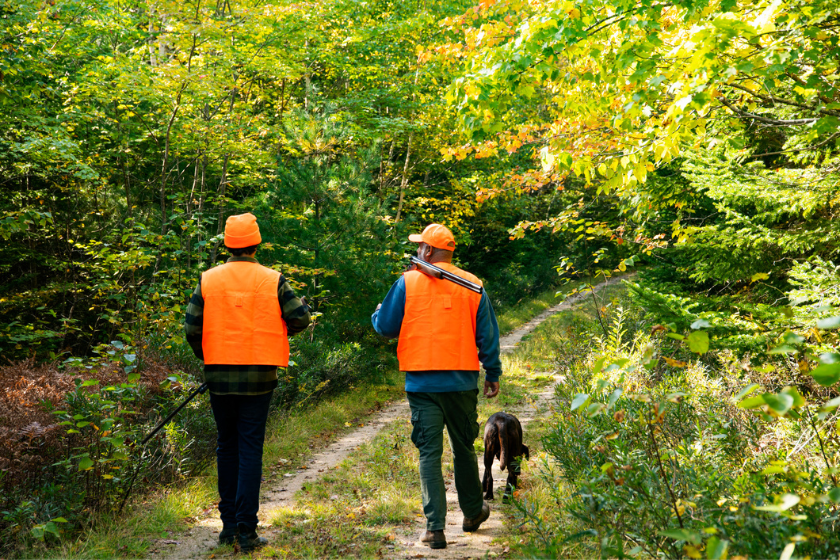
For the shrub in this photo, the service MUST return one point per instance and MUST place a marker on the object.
(654, 453)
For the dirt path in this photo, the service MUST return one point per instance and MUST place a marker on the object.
(199, 541)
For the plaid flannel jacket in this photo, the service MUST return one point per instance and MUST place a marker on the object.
(241, 379)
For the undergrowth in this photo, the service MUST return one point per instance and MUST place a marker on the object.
(659, 447)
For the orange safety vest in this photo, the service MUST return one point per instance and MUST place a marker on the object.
(243, 324)
(438, 328)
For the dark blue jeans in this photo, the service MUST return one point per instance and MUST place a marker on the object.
(240, 421)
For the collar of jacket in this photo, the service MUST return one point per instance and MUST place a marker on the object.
(242, 259)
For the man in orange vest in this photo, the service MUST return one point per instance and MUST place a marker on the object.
(238, 321)
(444, 331)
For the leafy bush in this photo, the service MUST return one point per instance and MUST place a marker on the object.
(655, 453)
(68, 438)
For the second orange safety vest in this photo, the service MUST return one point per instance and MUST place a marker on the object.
(438, 328)
(243, 323)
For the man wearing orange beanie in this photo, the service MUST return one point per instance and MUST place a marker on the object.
(238, 321)
(446, 333)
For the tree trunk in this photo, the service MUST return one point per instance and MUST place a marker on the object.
(219, 224)
(404, 181)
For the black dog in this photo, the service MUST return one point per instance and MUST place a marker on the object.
(502, 440)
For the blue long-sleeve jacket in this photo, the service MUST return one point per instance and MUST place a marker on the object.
(387, 321)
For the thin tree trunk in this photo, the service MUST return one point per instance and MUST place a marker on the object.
(200, 222)
(164, 175)
(151, 30)
(219, 224)
(404, 181)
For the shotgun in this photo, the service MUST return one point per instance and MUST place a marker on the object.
(201, 390)
(431, 270)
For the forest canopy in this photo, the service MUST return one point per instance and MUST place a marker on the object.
(696, 140)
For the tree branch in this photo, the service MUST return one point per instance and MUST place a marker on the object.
(772, 99)
(766, 120)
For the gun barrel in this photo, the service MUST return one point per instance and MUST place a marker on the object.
(446, 275)
(172, 414)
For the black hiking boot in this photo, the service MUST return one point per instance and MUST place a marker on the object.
(473, 524)
(248, 539)
(435, 539)
(228, 534)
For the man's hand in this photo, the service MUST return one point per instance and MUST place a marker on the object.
(378, 306)
(491, 389)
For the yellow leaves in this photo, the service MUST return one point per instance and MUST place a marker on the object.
(764, 23)
(571, 10)
(691, 551)
(674, 363)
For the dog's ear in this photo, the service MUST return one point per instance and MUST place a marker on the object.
(525, 452)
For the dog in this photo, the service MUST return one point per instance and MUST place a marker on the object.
(502, 440)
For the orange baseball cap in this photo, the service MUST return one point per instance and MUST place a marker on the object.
(242, 231)
(437, 236)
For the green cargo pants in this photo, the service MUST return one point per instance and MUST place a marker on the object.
(430, 412)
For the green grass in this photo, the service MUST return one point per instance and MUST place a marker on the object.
(520, 313)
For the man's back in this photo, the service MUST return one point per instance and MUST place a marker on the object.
(243, 322)
(439, 325)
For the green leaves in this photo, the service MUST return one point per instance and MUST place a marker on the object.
(579, 400)
(686, 535)
(698, 341)
(778, 404)
(783, 503)
(828, 372)
(716, 548)
(829, 323)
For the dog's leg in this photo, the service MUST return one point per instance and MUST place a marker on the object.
(487, 482)
(513, 473)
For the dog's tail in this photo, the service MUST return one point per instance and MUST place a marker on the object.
(504, 448)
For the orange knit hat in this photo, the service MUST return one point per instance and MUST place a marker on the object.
(242, 231)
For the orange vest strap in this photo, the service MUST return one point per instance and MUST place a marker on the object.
(243, 323)
(438, 328)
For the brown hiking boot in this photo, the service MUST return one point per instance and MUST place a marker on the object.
(435, 539)
(473, 524)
